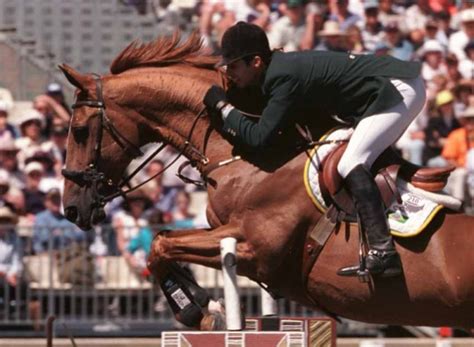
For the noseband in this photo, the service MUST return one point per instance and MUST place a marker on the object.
(95, 179)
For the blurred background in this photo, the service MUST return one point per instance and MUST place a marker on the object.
(95, 283)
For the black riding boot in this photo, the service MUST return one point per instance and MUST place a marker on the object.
(382, 258)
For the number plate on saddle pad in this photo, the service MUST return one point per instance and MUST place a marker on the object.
(406, 219)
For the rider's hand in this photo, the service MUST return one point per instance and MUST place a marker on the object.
(215, 98)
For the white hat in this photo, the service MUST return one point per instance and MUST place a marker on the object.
(468, 112)
(431, 46)
(34, 166)
(467, 15)
(3, 106)
(54, 88)
(8, 144)
(30, 115)
(331, 28)
(4, 177)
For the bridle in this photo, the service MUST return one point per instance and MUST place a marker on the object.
(95, 179)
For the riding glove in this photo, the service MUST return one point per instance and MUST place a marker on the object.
(215, 98)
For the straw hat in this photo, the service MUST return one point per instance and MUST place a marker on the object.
(138, 195)
(331, 28)
(444, 97)
(7, 215)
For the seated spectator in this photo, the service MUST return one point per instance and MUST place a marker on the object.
(432, 54)
(55, 91)
(314, 23)
(333, 39)
(52, 178)
(355, 42)
(181, 217)
(455, 151)
(128, 221)
(459, 40)
(287, 32)
(171, 182)
(53, 112)
(444, 30)
(372, 33)
(7, 131)
(51, 229)
(400, 48)
(456, 17)
(161, 199)
(462, 92)
(439, 127)
(141, 243)
(340, 13)
(215, 18)
(30, 140)
(56, 147)
(417, 15)
(9, 162)
(390, 13)
(8, 193)
(466, 66)
(34, 197)
(453, 75)
(412, 142)
(10, 257)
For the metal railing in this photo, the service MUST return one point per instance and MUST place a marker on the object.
(83, 280)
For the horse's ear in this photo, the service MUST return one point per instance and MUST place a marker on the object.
(74, 77)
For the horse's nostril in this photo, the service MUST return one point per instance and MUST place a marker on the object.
(71, 213)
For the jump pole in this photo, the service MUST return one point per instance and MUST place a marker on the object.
(231, 290)
(269, 305)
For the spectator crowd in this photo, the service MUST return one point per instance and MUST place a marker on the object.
(439, 33)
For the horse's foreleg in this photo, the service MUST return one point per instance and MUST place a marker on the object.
(198, 247)
(186, 298)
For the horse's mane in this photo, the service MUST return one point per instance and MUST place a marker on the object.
(164, 51)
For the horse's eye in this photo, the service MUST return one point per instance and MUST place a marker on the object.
(80, 133)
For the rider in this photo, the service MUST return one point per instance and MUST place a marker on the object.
(380, 95)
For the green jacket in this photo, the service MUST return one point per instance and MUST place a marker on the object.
(312, 84)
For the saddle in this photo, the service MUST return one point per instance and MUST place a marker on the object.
(388, 167)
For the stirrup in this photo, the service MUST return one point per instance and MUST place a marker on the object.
(360, 270)
(357, 270)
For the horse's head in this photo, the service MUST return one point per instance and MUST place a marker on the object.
(98, 150)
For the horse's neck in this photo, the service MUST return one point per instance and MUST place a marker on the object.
(170, 101)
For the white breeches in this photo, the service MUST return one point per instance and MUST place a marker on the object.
(376, 133)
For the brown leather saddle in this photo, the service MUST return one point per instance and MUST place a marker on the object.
(388, 167)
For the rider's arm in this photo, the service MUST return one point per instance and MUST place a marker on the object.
(283, 94)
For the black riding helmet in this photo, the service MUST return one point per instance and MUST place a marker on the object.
(242, 40)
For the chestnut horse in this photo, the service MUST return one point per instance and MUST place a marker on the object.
(155, 94)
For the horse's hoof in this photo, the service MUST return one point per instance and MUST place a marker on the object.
(213, 321)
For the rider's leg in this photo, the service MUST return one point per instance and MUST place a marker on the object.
(370, 138)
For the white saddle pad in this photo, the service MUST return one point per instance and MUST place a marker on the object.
(406, 219)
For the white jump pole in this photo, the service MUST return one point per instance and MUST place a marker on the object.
(269, 305)
(231, 290)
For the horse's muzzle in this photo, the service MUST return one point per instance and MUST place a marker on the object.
(71, 214)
